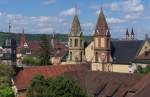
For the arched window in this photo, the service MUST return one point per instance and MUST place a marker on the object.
(81, 56)
(107, 42)
(96, 57)
(70, 56)
(81, 43)
(76, 42)
(70, 42)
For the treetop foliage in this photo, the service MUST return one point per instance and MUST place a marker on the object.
(54, 87)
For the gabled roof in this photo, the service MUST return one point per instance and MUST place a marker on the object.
(24, 77)
(104, 84)
(75, 28)
(125, 51)
(141, 88)
(101, 26)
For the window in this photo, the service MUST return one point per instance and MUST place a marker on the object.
(146, 48)
(76, 42)
(81, 43)
(81, 56)
(70, 42)
(146, 54)
(96, 57)
(70, 56)
(102, 42)
(107, 42)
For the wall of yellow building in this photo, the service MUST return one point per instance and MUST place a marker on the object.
(89, 52)
(123, 68)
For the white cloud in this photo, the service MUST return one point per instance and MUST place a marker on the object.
(47, 2)
(115, 20)
(69, 12)
(114, 7)
(127, 6)
(130, 17)
(32, 24)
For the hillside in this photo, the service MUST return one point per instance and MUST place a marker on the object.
(35, 37)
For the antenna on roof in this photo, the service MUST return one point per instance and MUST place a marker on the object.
(9, 26)
(23, 30)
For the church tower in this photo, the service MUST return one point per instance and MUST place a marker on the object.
(23, 42)
(127, 35)
(132, 35)
(102, 41)
(76, 43)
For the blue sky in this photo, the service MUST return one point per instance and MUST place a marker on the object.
(46, 16)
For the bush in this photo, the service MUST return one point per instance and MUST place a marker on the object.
(144, 70)
(28, 60)
(6, 92)
(54, 87)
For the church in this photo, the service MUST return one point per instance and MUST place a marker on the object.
(103, 53)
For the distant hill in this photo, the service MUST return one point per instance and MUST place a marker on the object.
(36, 37)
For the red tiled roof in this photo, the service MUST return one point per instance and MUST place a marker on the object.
(24, 77)
(104, 84)
(140, 87)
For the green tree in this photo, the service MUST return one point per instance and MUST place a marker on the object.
(142, 70)
(28, 60)
(6, 92)
(6, 73)
(45, 54)
(54, 87)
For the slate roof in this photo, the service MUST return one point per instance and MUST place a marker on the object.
(125, 51)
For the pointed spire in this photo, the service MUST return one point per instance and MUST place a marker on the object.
(23, 42)
(101, 26)
(127, 32)
(75, 28)
(132, 32)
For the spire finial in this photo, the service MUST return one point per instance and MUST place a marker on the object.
(101, 6)
(76, 10)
